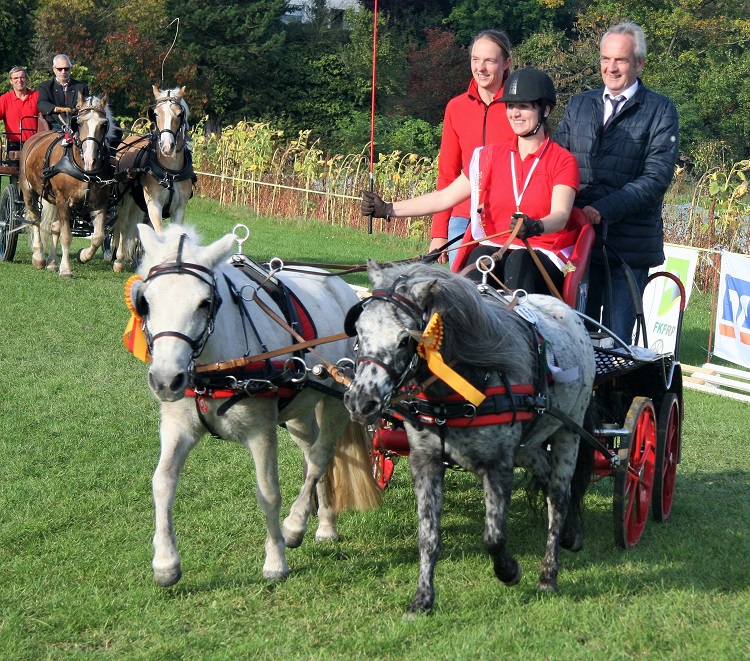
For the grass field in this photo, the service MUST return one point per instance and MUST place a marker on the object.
(79, 442)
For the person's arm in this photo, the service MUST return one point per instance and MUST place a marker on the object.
(458, 191)
(561, 205)
(449, 168)
(45, 102)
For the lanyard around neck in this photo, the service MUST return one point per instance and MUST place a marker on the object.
(519, 196)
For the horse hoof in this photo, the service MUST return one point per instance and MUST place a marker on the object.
(167, 577)
(80, 258)
(572, 543)
(39, 263)
(275, 575)
(509, 578)
(545, 586)
(292, 538)
(328, 535)
(66, 276)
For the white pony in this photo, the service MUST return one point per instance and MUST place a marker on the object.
(197, 305)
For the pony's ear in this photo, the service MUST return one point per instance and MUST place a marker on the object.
(155, 89)
(149, 238)
(104, 101)
(181, 93)
(219, 250)
(375, 273)
(79, 104)
(422, 292)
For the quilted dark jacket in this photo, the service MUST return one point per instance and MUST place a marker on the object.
(625, 172)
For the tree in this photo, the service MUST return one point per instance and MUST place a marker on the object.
(229, 48)
(16, 21)
(437, 72)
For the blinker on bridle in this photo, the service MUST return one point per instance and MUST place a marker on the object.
(178, 267)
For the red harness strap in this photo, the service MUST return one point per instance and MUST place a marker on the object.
(506, 414)
(222, 379)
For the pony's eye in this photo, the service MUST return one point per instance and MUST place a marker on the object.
(205, 304)
(404, 342)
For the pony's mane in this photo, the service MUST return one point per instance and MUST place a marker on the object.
(96, 102)
(171, 95)
(479, 332)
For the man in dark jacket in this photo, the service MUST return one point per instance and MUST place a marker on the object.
(625, 138)
(59, 96)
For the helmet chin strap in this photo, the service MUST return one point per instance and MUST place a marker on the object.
(542, 117)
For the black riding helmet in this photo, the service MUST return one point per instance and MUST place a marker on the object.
(531, 85)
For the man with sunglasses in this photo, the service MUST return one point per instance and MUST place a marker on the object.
(18, 109)
(59, 96)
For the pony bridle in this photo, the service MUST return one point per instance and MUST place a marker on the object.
(180, 129)
(100, 144)
(411, 309)
(205, 275)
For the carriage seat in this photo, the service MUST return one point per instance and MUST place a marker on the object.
(575, 284)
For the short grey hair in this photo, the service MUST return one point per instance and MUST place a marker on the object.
(634, 30)
(61, 56)
(16, 70)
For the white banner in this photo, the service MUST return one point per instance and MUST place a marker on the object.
(732, 319)
(661, 299)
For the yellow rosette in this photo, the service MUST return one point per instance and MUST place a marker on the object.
(429, 349)
(134, 338)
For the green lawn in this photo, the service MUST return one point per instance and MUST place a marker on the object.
(79, 442)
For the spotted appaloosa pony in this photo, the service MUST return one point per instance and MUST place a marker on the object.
(195, 305)
(64, 172)
(495, 349)
(156, 172)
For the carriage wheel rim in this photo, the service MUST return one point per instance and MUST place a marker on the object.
(634, 484)
(668, 452)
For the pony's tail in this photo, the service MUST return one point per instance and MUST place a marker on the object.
(48, 223)
(353, 485)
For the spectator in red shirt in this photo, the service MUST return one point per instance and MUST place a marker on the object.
(18, 109)
(473, 119)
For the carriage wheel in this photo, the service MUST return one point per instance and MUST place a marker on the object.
(108, 252)
(383, 461)
(383, 466)
(634, 479)
(668, 435)
(9, 201)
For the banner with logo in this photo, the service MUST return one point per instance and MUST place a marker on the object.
(732, 318)
(661, 300)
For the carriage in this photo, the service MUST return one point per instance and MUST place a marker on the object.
(12, 207)
(638, 393)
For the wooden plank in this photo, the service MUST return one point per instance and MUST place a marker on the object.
(709, 368)
(693, 384)
(717, 380)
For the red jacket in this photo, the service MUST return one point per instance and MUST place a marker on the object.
(469, 123)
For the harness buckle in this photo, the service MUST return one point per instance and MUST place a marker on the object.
(302, 371)
(470, 411)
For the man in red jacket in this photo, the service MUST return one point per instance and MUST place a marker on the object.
(473, 119)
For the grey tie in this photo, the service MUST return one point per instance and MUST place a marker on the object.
(615, 102)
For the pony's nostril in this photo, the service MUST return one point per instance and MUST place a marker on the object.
(179, 383)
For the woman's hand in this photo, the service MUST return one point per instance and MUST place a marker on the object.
(529, 226)
(373, 205)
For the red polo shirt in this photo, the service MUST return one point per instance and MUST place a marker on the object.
(14, 110)
(556, 166)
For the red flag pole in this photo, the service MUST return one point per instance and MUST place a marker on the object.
(372, 103)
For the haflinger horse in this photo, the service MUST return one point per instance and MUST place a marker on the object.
(155, 170)
(195, 304)
(62, 171)
(427, 326)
